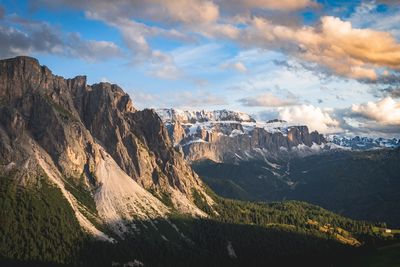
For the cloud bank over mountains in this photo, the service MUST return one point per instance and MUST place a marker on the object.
(380, 118)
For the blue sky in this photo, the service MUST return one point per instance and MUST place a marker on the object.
(338, 60)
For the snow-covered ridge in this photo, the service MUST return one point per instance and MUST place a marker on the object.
(234, 128)
(193, 116)
(198, 125)
(363, 143)
(220, 122)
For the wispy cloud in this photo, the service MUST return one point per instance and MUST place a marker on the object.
(267, 100)
(367, 15)
(20, 36)
(185, 99)
(238, 66)
(195, 99)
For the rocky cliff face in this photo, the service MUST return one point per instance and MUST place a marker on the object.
(91, 136)
(186, 116)
(232, 135)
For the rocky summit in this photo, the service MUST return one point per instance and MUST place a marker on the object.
(223, 135)
(91, 136)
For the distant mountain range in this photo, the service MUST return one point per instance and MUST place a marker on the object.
(223, 134)
(239, 157)
(364, 143)
(226, 135)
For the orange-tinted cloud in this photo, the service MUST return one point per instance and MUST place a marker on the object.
(282, 5)
(334, 44)
(189, 11)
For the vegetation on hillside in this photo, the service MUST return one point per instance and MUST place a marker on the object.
(37, 223)
(360, 185)
(38, 226)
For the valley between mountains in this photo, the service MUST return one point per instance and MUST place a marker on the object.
(86, 179)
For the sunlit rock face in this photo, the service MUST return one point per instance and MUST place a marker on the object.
(223, 135)
(90, 135)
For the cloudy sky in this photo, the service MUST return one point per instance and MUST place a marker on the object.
(334, 65)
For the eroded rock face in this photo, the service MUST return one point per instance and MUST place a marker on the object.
(137, 140)
(226, 135)
(67, 124)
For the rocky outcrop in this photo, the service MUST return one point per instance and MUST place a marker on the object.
(235, 136)
(299, 135)
(92, 135)
(186, 116)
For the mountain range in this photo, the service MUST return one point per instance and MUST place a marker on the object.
(208, 135)
(239, 157)
(223, 135)
(88, 180)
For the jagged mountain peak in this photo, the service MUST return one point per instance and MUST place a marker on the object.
(22, 60)
(193, 116)
(221, 135)
(88, 136)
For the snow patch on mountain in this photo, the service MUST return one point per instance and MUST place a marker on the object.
(363, 143)
(222, 122)
(187, 116)
(223, 134)
(231, 250)
(194, 141)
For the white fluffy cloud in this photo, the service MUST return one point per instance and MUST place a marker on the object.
(314, 117)
(385, 111)
(238, 66)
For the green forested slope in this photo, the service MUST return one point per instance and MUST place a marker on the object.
(37, 223)
(38, 226)
(360, 185)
